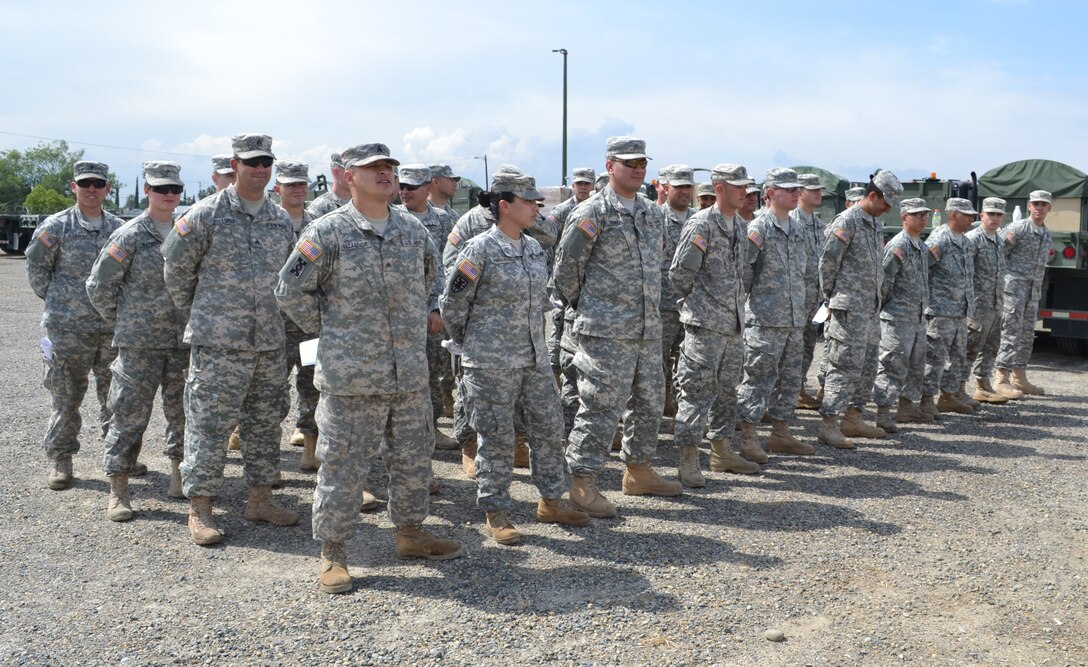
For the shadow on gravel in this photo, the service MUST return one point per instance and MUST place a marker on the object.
(846, 486)
(872, 460)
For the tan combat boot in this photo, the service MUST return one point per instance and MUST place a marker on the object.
(724, 459)
(829, 434)
(521, 452)
(749, 444)
(949, 402)
(60, 473)
(928, 407)
(501, 529)
(781, 442)
(585, 496)
(443, 441)
(137, 469)
(261, 506)
(986, 394)
(853, 426)
(557, 510)
(297, 439)
(414, 542)
(966, 399)
(309, 462)
(885, 421)
(640, 479)
(806, 401)
(908, 412)
(1020, 381)
(688, 468)
(234, 442)
(370, 502)
(468, 457)
(670, 401)
(332, 573)
(201, 524)
(176, 489)
(1003, 385)
(120, 506)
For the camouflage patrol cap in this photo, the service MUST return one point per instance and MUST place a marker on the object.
(336, 161)
(625, 148)
(993, 205)
(443, 171)
(415, 174)
(889, 186)
(1041, 195)
(162, 173)
(246, 146)
(361, 155)
(289, 171)
(681, 175)
(517, 184)
(584, 175)
(781, 177)
(663, 173)
(752, 189)
(221, 164)
(505, 170)
(914, 205)
(705, 190)
(601, 181)
(810, 181)
(733, 174)
(959, 205)
(85, 169)
(855, 194)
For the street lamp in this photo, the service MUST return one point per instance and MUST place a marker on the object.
(487, 181)
(564, 52)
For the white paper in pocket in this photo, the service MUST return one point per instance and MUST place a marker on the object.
(821, 315)
(307, 352)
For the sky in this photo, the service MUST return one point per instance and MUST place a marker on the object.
(948, 87)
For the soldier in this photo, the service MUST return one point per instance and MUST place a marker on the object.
(608, 268)
(706, 195)
(372, 361)
(126, 287)
(903, 296)
(854, 195)
(1027, 248)
(851, 271)
(58, 261)
(747, 212)
(676, 210)
(416, 181)
(984, 328)
(582, 185)
(493, 305)
(661, 185)
(221, 263)
(774, 281)
(707, 274)
(812, 228)
(951, 303)
(338, 193)
(222, 172)
(443, 187)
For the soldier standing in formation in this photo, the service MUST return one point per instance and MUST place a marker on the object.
(336, 196)
(675, 211)
(444, 185)
(812, 229)
(984, 327)
(222, 172)
(704, 192)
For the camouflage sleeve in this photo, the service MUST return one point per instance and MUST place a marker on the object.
(690, 252)
(41, 256)
(298, 292)
(433, 275)
(892, 264)
(454, 240)
(109, 271)
(182, 253)
(460, 290)
(936, 247)
(573, 254)
(1009, 238)
(544, 231)
(755, 248)
(836, 241)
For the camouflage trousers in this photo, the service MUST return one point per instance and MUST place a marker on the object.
(307, 393)
(225, 388)
(463, 431)
(706, 385)
(902, 363)
(439, 371)
(555, 336)
(983, 340)
(492, 395)
(946, 354)
(137, 375)
(1017, 331)
(351, 430)
(772, 373)
(616, 377)
(568, 389)
(852, 347)
(75, 355)
(811, 333)
(672, 332)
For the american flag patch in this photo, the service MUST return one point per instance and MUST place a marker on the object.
(1010, 237)
(898, 252)
(699, 242)
(935, 251)
(454, 238)
(468, 269)
(588, 228)
(756, 238)
(309, 250)
(182, 227)
(47, 239)
(842, 235)
(117, 252)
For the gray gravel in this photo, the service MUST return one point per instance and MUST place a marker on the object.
(954, 544)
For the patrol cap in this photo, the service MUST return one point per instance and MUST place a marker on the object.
(361, 155)
(705, 190)
(1041, 195)
(584, 175)
(889, 186)
(443, 171)
(993, 205)
(855, 194)
(810, 181)
(914, 205)
(663, 173)
(960, 205)
(733, 174)
(85, 169)
(221, 164)
(601, 181)
(625, 148)
(289, 171)
(162, 173)
(246, 146)
(781, 177)
(517, 184)
(680, 175)
(415, 174)
(505, 170)
(336, 161)
(752, 189)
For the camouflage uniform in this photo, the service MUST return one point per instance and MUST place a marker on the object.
(951, 303)
(608, 268)
(369, 296)
(706, 273)
(558, 216)
(904, 294)
(305, 391)
(59, 259)
(1027, 249)
(493, 306)
(221, 267)
(126, 286)
(812, 230)
(672, 332)
(325, 204)
(984, 327)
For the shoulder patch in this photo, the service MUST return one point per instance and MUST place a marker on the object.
(842, 235)
(310, 250)
(1009, 238)
(755, 237)
(588, 228)
(935, 251)
(47, 239)
(454, 238)
(898, 252)
(699, 242)
(182, 226)
(468, 269)
(117, 252)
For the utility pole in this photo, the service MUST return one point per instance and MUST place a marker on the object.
(564, 52)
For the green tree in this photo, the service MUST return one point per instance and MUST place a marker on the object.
(51, 165)
(45, 200)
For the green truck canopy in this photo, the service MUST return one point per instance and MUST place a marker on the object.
(1016, 180)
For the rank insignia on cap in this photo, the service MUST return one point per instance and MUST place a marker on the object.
(756, 238)
(699, 242)
(842, 235)
(468, 269)
(935, 251)
(117, 252)
(588, 228)
(898, 252)
(47, 239)
(309, 250)
(182, 227)
(454, 238)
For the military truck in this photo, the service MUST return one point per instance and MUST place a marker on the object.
(16, 230)
(835, 187)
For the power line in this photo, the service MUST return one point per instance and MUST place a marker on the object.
(118, 148)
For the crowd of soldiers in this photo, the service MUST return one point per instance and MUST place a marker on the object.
(709, 317)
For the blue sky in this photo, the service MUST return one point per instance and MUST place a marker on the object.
(915, 87)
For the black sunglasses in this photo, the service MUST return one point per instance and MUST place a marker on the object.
(263, 161)
(167, 189)
(410, 188)
(97, 183)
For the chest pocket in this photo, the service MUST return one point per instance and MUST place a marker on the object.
(79, 250)
(362, 262)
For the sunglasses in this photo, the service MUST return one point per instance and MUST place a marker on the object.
(410, 188)
(637, 163)
(96, 183)
(167, 189)
(263, 162)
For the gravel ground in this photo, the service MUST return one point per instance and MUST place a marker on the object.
(953, 544)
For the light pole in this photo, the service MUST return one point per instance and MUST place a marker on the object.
(564, 52)
(487, 181)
